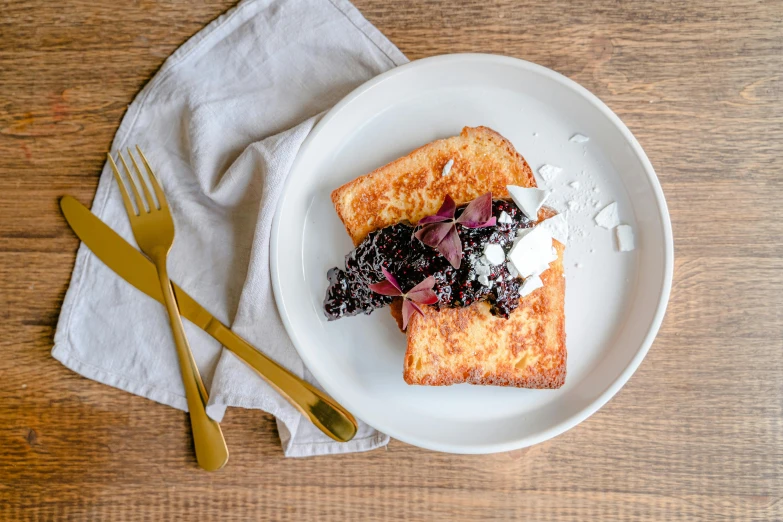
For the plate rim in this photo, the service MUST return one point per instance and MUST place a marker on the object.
(663, 214)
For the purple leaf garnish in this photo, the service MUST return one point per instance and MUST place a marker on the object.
(444, 213)
(451, 247)
(491, 222)
(389, 286)
(439, 231)
(478, 213)
(393, 280)
(408, 309)
(433, 234)
(384, 288)
(422, 293)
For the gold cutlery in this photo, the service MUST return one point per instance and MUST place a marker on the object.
(153, 228)
(133, 267)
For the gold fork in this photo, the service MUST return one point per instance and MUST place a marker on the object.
(153, 229)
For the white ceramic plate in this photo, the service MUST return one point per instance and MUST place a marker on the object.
(614, 301)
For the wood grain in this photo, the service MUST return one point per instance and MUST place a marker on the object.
(697, 434)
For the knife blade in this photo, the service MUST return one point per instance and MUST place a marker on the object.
(132, 266)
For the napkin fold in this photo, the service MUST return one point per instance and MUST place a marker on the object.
(221, 124)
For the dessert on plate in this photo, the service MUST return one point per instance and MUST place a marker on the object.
(455, 239)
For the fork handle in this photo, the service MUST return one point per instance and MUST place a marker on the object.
(211, 449)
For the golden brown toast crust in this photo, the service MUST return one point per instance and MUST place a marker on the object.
(413, 186)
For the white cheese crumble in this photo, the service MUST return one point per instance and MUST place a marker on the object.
(532, 253)
(447, 167)
(529, 200)
(625, 238)
(494, 254)
(481, 269)
(530, 285)
(505, 218)
(557, 227)
(608, 217)
(575, 185)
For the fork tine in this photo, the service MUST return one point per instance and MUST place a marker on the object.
(142, 209)
(125, 198)
(143, 183)
(153, 180)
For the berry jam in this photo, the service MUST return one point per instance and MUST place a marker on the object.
(410, 261)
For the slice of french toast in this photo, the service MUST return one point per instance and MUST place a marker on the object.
(527, 350)
(456, 345)
(415, 185)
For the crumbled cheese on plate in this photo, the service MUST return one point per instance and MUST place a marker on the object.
(625, 238)
(608, 217)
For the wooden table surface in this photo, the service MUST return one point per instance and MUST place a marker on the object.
(697, 433)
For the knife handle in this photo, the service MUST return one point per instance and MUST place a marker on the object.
(325, 413)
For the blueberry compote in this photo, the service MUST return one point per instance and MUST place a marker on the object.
(410, 261)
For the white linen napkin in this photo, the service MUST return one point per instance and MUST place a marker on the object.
(221, 123)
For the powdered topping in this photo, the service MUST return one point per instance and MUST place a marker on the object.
(549, 172)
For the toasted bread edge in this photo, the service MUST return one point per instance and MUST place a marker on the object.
(340, 196)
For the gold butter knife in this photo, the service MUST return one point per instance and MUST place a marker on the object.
(133, 267)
